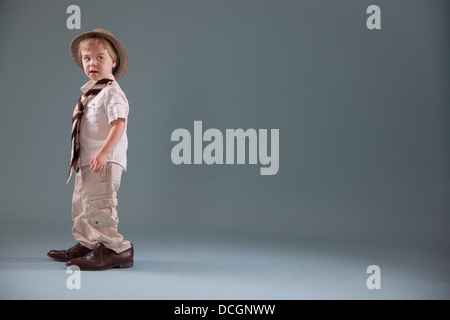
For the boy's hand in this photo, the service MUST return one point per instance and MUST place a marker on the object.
(98, 162)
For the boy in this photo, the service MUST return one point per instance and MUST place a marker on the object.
(99, 145)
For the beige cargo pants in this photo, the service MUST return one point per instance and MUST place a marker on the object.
(94, 211)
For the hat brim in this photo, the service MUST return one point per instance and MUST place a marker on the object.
(122, 54)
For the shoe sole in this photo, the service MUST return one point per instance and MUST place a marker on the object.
(121, 265)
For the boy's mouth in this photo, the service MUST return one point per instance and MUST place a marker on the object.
(93, 72)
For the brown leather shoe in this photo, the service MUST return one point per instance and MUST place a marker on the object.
(102, 258)
(76, 251)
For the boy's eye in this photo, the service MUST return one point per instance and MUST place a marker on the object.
(100, 58)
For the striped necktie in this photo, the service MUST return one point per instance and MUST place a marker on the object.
(76, 120)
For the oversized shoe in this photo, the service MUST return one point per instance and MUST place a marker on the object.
(76, 251)
(102, 258)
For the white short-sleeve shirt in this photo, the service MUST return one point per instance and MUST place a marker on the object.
(108, 105)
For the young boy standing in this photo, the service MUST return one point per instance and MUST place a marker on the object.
(99, 145)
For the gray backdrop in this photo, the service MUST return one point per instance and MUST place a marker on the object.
(363, 117)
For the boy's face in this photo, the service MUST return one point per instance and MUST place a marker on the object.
(97, 63)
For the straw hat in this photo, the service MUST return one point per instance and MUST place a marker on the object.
(122, 64)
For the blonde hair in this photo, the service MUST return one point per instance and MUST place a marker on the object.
(88, 43)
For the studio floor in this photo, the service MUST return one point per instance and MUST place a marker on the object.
(192, 268)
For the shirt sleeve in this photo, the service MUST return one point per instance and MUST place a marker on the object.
(116, 105)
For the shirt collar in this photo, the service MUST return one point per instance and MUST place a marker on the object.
(85, 88)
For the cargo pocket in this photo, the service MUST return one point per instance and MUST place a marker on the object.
(103, 213)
